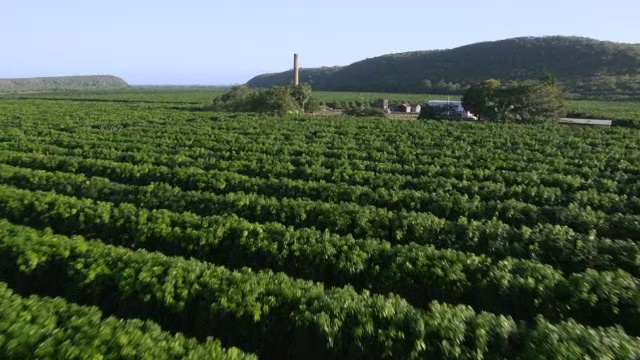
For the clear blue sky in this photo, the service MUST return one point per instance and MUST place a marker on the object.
(225, 42)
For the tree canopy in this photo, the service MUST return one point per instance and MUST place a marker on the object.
(279, 100)
(516, 101)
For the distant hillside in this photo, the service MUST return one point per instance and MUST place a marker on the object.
(315, 76)
(62, 83)
(584, 66)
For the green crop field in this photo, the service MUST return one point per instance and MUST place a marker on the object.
(617, 110)
(613, 110)
(135, 225)
(151, 94)
(195, 96)
(329, 96)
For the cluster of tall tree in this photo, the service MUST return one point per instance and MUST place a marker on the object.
(279, 100)
(518, 102)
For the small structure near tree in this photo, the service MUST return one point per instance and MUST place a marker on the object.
(406, 108)
(384, 104)
(445, 109)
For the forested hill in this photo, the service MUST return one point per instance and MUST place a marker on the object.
(583, 66)
(315, 76)
(62, 83)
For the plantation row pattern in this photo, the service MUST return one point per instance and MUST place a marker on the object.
(266, 311)
(318, 237)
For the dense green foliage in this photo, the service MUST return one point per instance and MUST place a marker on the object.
(46, 328)
(276, 315)
(585, 67)
(516, 102)
(280, 100)
(378, 272)
(268, 312)
(62, 83)
(178, 96)
(193, 97)
(321, 237)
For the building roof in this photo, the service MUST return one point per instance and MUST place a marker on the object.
(439, 102)
(456, 104)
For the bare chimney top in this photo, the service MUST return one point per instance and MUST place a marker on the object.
(296, 73)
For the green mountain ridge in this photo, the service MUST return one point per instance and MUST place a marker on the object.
(62, 83)
(315, 76)
(585, 67)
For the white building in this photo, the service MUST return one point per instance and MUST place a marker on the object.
(460, 111)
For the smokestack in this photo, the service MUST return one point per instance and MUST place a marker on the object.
(296, 74)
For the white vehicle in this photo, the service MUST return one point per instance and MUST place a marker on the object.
(457, 105)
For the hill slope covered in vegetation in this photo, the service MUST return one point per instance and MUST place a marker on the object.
(584, 66)
(62, 83)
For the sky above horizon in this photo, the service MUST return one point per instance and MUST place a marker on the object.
(198, 42)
